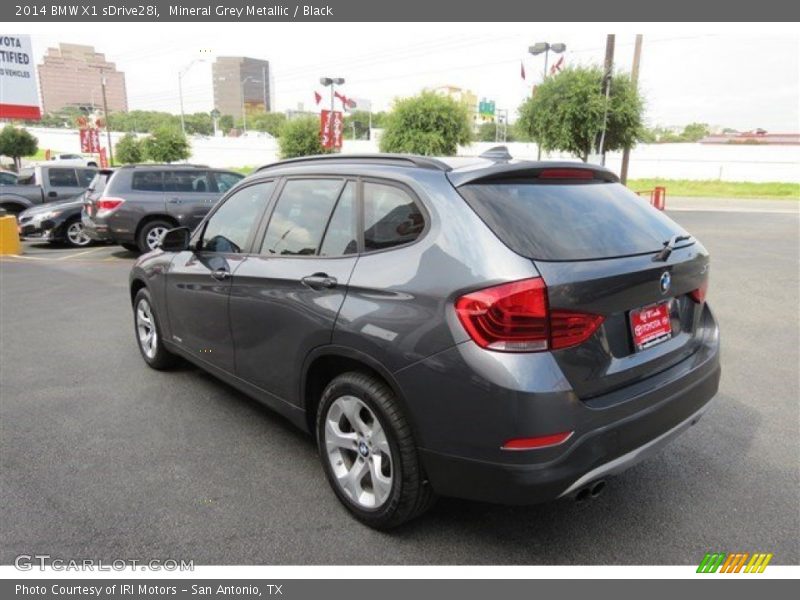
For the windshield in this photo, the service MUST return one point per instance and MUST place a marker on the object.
(570, 221)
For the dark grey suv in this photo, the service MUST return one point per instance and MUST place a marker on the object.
(141, 202)
(503, 331)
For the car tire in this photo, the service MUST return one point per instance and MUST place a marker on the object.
(131, 247)
(148, 333)
(74, 234)
(360, 425)
(149, 232)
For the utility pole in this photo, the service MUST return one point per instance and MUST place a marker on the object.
(264, 81)
(105, 113)
(608, 69)
(637, 57)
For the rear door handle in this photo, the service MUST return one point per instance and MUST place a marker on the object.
(220, 274)
(319, 281)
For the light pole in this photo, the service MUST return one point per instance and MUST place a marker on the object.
(539, 48)
(105, 114)
(181, 73)
(244, 108)
(331, 82)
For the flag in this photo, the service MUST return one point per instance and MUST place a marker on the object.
(317, 97)
(522, 69)
(557, 66)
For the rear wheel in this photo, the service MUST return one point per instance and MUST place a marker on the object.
(151, 233)
(75, 235)
(148, 333)
(368, 452)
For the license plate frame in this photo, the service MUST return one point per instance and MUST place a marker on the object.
(651, 325)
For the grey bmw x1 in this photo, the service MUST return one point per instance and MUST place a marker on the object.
(497, 330)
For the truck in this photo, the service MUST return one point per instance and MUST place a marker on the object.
(42, 184)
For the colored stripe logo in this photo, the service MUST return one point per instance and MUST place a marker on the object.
(736, 562)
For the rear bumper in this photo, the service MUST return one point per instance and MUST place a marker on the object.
(99, 232)
(467, 462)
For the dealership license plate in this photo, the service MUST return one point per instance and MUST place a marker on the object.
(651, 325)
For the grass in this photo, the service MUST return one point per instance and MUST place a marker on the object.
(769, 190)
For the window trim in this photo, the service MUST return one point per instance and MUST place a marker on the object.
(247, 248)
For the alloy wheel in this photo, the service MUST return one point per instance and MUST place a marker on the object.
(154, 236)
(146, 328)
(76, 235)
(358, 452)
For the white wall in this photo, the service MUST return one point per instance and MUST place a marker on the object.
(672, 161)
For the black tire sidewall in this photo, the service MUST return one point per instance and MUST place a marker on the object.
(162, 357)
(343, 386)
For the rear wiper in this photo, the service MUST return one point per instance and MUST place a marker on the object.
(663, 255)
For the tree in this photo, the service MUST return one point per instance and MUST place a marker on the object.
(300, 137)
(166, 145)
(271, 122)
(225, 123)
(566, 112)
(16, 143)
(694, 132)
(129, 150)
(487, 132)
(427, 124)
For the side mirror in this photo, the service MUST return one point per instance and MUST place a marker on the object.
(176, 240)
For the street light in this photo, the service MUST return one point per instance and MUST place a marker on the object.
(545, 48)
(332, 82)
(181, 73)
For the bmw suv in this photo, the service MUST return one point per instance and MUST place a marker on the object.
(503, 331)
(141, 202)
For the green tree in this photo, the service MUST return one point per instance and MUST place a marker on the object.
(300, 137)
(487, 132)
(566, 112)
(129, 150)
(167, 145)
(694, 132)
(225, 123)
(271, 122)
(16, 143)
(427, 124)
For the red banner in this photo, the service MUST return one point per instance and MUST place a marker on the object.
(103, 158)
(90, 141)
(331, 126)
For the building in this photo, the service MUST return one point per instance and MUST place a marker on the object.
(72, 76)
(466, 97)
(238, 76)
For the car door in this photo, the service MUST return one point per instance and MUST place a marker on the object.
(190, 194)
(199, 279)
(285, 297)
(62, 183)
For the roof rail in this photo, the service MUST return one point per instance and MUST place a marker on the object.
(178, 165)
(410, 160)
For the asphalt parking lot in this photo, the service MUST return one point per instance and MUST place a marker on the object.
(104, 458)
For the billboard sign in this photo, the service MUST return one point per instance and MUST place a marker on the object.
(331, 127)
(19, 96)
(90, 141)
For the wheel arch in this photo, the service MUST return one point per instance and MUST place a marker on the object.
(323, 364)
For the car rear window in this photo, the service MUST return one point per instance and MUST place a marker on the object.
(573, 221)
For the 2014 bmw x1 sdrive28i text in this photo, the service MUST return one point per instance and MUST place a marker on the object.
(501, 330)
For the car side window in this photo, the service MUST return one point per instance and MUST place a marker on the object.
(391, 217)
(8, 179)
(228, 228)
(148, 181)
(188, 181)
(300, 216)
(62, 177)
(226, 181)
(340, 236)
(85, 176)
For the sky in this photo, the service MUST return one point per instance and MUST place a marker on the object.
(743, 77)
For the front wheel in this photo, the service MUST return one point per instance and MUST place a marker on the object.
(148, 333)
(368, 452)
(75, 235)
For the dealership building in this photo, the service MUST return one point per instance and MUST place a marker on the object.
(242, 84)
(72, 76)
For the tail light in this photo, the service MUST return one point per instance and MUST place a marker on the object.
(107, 205)
(515, 317)
(566, 174)
(699, 295)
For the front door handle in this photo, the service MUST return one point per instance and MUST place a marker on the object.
(220, 274)
(319, 281)
(175, 200)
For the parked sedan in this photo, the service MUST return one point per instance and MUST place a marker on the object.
(56, 222)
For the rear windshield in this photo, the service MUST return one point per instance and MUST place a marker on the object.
(549, 221)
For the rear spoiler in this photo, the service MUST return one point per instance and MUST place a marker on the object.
(527, 170)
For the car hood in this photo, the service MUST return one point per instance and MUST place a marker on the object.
(57, 205)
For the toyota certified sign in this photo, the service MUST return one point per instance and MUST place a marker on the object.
(19, 97)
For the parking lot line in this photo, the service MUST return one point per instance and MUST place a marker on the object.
(68, 256)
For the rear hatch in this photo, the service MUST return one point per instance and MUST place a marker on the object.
(95, 191)
(600, 250)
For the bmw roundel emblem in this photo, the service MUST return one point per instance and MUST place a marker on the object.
(665, 282)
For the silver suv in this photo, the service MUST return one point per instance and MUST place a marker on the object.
(141, 202)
